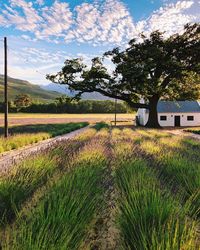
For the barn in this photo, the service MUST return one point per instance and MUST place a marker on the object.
(174, 114)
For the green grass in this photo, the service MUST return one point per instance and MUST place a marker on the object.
(155, 179)
(194, 131)
(149, 216)
(62, 218)
(29, 134)
(178, 161)
(21, 183)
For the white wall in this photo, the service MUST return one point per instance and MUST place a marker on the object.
(143, 118)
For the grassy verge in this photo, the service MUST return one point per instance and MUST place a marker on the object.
(21, 182)
(149, 217)
(177, 161)
(25, 135)
(62, 218)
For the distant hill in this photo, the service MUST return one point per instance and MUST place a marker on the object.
(65, 91)
(16, 87)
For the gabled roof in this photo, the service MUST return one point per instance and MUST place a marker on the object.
(178, 107)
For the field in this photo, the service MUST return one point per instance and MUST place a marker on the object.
(24, 135)
(108, 188)
(24, 119)
(194, 130)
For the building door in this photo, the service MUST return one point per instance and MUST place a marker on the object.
(177, 121)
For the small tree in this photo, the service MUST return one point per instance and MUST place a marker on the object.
(22, 100)
(156, 68)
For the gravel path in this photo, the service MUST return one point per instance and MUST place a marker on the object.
(13, 157)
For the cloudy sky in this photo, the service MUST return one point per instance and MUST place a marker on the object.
(43, 33)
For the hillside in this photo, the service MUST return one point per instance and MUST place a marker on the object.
(16, 87)
(66, 91)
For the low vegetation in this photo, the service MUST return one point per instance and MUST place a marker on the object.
(194, 130)
(25, 135)
(58, 200)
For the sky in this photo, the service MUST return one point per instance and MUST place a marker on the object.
(42, 34)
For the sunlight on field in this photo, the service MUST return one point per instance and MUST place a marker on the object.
(120, 187)
(28, 115)
(19, 118)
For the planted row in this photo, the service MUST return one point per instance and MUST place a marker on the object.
(149, 216)
(26, 135)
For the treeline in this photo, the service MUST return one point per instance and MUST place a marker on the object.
(72, 107)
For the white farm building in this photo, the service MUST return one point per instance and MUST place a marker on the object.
(174, 114)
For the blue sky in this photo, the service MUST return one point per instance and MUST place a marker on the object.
(43, 33)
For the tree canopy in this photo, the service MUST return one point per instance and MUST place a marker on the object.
(151, 69)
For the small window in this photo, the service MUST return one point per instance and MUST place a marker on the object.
(190, 118)
(163, 118)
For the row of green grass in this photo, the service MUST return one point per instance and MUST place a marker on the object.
(194, 131)
(62, 218)
(177, 160)
(29, 134)
(150, 216)
(22, 180)
(157, 185)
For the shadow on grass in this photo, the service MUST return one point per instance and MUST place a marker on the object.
(52, 129)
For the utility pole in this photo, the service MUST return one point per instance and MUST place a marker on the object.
(115, 112)
(5, 90)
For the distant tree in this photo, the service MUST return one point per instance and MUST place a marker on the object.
(63, 100)
(22, 100)
(153, 69)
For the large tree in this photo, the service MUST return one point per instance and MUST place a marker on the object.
(151, 69)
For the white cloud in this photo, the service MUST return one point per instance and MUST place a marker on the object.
(57, 19)
(103, 22)
(39, 2)
(171, 18)
(99, 22)
(27, 19)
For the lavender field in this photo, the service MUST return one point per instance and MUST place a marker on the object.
(107, 188)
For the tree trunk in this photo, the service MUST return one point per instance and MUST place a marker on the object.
(153, 114)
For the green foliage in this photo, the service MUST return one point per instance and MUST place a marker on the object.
(157, 67)
(101, 125)
(22, 100)
(195, 131)
(21, 183)
(149, 218)
(62, 217)
(151, 214)
(65, 105)
(155, 183)
(179, 167)
(29, 134)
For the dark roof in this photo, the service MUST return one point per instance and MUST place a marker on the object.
(178, 107)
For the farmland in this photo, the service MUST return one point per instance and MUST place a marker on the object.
(25, 119)
(107, 188)
(24, 135)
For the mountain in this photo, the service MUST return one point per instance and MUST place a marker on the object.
(16, 87)
(65, 91)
